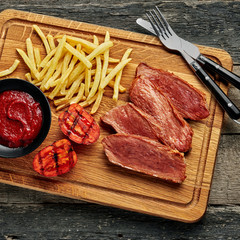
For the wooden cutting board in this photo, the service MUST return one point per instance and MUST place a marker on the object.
(94, 178)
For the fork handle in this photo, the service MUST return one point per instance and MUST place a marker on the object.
(223, 72)
(220, 96)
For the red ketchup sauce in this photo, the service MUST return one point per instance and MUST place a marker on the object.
(20, 118)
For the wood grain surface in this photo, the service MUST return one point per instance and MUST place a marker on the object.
(94, 178)
(211, 23)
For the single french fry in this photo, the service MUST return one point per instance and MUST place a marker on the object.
(73, 89)
(87, 81)
(60, 101)
(44, 70)
(37, 57)
(87, 50)
(79, 96)
(36, 83)
(105, 59)
(79, 68)
(28, 77)
(97, 102)
(59, 95)
(66, 61)
(100, 49)
(111, 60)
(30, 52)
(42, 36)
(78, 40)
(62, 106)
(119, 76)
(51, 41)
(10, 70)
(113, 73)
(55, 91)
(97, 77)
(29, 63)
(80, 56)
(51, 80)
(121, 88)
(88, 102)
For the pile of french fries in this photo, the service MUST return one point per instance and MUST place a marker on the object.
(74, 70)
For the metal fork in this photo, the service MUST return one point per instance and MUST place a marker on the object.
(167, 36)
(170, 40)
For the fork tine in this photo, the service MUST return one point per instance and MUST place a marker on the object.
(162, 22)
(166, 35)
(153, 25)
(157, 25)
(163, 19)
(159, 22)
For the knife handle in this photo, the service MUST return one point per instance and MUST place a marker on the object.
(223, 72)
(220, 96)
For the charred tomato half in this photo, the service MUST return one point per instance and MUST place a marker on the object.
(55, 159)
(79, 125)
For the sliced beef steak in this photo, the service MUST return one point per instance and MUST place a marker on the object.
(188, 100)
(145, 155)
(130, 119)
(175, 131)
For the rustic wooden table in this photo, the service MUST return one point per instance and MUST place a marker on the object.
(26, 214)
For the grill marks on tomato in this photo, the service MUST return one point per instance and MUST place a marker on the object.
(59, 157)
(55, 159)
(79, 125)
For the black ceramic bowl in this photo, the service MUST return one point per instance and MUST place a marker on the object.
(37, 94)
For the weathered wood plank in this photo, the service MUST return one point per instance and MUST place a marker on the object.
(211, 23)
(225, 187)
(230, 127)
(81, 221)
(15, 195)
(215, 17)
(205, 22)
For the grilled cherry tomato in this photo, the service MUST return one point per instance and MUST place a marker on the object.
(55, 159)
(79, 125)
